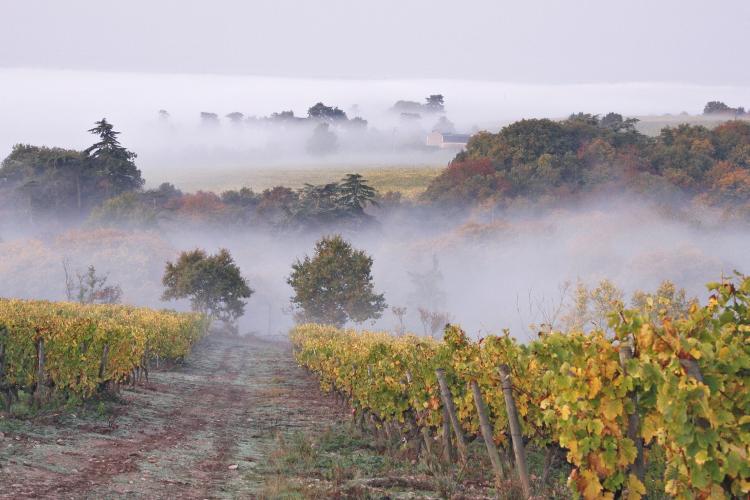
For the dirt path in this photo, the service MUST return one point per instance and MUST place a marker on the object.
(179, 437)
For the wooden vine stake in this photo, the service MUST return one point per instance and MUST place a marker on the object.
(692, 369)
(634, 422)
(103, 367)
(447, 397)
(5, 389)
(487, 433)
(449, 450)
(41, 377)
(2, 355)
(515, 430)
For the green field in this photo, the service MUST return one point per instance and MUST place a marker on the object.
(652, 124)
(409, 180)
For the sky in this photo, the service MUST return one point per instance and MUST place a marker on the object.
(530, 41)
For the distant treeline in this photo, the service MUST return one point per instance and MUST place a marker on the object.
(529, 161)
(556, 160)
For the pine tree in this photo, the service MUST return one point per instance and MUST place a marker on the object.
(113, 161)
(355, 194)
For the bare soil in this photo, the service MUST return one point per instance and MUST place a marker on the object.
(204, 429)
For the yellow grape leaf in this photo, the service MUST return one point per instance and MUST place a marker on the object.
(701, 457)
(594, 387)
(645, 337)
(650, 428)
(671, 487)
(611, 408)
(593, 487)
(523, 410)
(717, 493)
(636, 489)
(565, 412)
(573, 447)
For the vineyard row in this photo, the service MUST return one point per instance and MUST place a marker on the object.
(76, 350)
(609, 399)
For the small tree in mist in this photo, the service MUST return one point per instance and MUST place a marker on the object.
(335, 285)
(433, 322)
(399, 312)
(435, 103)
(236, 118)
(323, 141)
(209, 119)
(444, 126)
(428, 287)
(213, 283)
(590, 307)
(89, 287)
(668, 301)
(322, 112)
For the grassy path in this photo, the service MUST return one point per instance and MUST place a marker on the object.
(198, 431)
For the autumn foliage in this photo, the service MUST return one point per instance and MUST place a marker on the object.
(614, 399)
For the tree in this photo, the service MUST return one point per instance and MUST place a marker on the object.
(90, 288)
(275, 204)
(435, 103)
(322, 112)
(355, 194)
(51, 179)
(323, 141)
(667, 302)
(433, 322)
(335, 286)
(617, 123)
(283, 116)
(244, 197)
(717, 107)
(444, 126)
(357, 123)
(399, 312)
(590, 307)
(209, 119)
(113, 162)
(213, 283)
(428, 287)
(317, 204)
(407, 107)
(127, 210)
(236, 117)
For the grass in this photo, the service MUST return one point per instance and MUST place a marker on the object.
(345, 462)
(325, 466)
(652, 124)
(100, 405)
(409, 180)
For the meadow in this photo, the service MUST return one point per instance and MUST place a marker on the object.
(409, 180)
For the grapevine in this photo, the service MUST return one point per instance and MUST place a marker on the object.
(686, 380)
(86, 346)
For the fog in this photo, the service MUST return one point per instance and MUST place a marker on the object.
(56, 108)
(498, 271)
(544, 41)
